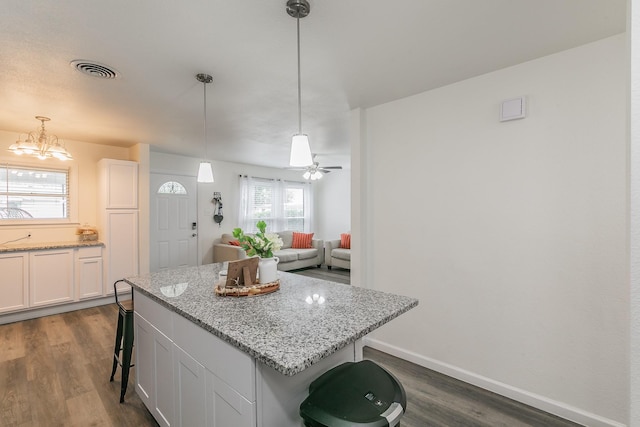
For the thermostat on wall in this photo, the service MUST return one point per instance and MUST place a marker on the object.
(513, 109)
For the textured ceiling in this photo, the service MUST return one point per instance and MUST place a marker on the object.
(355, 53)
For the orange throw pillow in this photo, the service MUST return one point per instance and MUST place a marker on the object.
(345, 240)
(234, 243)
(302, 240)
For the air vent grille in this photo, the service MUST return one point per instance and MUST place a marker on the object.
(95, 69)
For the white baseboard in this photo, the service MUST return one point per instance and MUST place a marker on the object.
(537, 401)
(56, 309)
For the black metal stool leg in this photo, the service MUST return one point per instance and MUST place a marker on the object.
(117, 347)
(126, 353)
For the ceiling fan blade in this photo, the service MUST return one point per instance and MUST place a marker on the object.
(331, 167)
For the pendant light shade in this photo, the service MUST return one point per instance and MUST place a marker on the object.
(205, 172)
(300, 150)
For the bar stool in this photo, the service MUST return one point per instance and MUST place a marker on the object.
(124, 340)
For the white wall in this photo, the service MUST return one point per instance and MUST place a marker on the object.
(512, 235)
(634, 223)
(226, 176)
(332, 205)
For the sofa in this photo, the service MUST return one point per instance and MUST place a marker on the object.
(335, 256)
(290, 258)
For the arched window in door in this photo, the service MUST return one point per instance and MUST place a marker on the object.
(172, 187)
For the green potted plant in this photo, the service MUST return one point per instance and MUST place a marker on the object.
(261, 244)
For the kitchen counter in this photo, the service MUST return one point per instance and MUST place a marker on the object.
(288, 330)
(21, 247)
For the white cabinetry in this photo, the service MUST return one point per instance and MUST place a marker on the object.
(51, 277)
(187, 376)
(89, 272)
(14, 281)
(118, 220)
(190, 389)
(121, 247)
(119, 184)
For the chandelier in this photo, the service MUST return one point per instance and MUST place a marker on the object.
(41, 145)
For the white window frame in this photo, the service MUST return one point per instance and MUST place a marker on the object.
(277, 221)
(72, 207)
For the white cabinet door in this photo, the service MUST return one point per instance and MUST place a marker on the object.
(89, 272)
(190, 389)
(119, 182)
(225, 406)
(145, 382)
(14, 281)
(163, 408)
(154, 370)
(121, 247)
(51, 277)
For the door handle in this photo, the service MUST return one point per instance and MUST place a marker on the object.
(194, 235)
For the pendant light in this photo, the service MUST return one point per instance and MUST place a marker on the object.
(205, 173)
(300, 150)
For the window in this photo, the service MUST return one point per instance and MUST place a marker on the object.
(172, 187)
(28, 193)
(283, 205)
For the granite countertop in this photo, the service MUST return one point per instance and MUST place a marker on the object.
(287, 330)
(20, 247)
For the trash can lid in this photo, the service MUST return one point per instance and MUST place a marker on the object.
(354, 394)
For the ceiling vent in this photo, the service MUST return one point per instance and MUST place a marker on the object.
(95, 69)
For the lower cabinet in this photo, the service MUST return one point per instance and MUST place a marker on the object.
(40, 278)
(51, 277)
(190, 390)
(14, 281)
(89, 272)
(225, 406)
(180, 387)
(154, 371)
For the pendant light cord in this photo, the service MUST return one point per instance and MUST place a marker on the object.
(299, 83)
(205, 119)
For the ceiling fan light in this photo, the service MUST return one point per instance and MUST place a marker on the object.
(300, 151)
(205, 173)
(316, 175)
(306, 175)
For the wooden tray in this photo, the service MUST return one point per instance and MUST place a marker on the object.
(245, 291)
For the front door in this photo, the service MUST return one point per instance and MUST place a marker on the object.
(174, 231)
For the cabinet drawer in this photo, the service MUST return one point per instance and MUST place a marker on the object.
(158, 316)
(90, 252)
(231, 365)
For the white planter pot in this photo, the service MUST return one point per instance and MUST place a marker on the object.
(268, 269)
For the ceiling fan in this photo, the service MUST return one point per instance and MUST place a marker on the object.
(315, 171)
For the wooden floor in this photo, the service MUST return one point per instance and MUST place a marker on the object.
(339, 275)
(54, 371)
(436, 400)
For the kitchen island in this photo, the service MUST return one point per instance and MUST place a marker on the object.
(203, 359)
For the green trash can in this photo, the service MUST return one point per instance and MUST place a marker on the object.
(354, 394)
